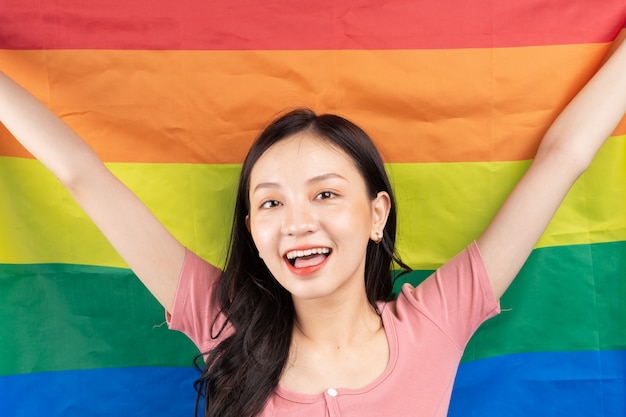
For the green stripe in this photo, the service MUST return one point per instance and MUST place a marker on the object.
(442, 206)
(61, 317)
(568, 298)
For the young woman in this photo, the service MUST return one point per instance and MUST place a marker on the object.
(301, 320)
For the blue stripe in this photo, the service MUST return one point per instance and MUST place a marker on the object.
(114, 392)
(542, 384)
(527, 384)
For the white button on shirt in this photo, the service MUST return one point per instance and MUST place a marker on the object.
(331, 403)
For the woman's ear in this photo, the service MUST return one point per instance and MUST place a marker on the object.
(381, 205)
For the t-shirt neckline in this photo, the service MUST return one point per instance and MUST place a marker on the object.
(392, 341)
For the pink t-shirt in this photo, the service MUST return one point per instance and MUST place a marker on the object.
(427, 329)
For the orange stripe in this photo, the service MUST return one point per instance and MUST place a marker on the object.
(206, 106)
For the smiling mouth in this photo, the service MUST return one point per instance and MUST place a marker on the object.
(307, 258)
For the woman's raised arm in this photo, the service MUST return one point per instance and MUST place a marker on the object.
(142, 241)
(566, 151)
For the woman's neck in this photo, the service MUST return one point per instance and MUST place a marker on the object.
(340, 345)
(335, 323)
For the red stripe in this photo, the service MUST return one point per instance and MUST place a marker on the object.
(305, 24)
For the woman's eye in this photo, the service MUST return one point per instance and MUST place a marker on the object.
(270, 204)
(324, 195)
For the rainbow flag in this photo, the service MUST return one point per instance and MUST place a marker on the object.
(457, 95)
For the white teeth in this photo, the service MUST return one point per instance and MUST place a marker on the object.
(300, 253)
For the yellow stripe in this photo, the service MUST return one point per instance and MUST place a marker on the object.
(442, 207)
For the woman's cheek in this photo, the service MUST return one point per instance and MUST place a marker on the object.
(262, 238)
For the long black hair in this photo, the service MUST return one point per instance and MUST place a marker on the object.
(243, 370)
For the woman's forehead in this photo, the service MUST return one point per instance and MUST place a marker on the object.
(303, 155)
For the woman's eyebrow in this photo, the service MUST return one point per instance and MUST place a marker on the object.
(323, 177)
(264, 185)
(313, 180)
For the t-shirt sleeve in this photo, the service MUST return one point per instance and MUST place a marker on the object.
(195, 304)
(457, 297)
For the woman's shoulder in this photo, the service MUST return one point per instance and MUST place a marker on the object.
(195, 304)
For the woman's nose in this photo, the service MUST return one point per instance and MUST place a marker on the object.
(299, 219)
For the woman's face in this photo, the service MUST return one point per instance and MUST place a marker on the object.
(311, 217)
